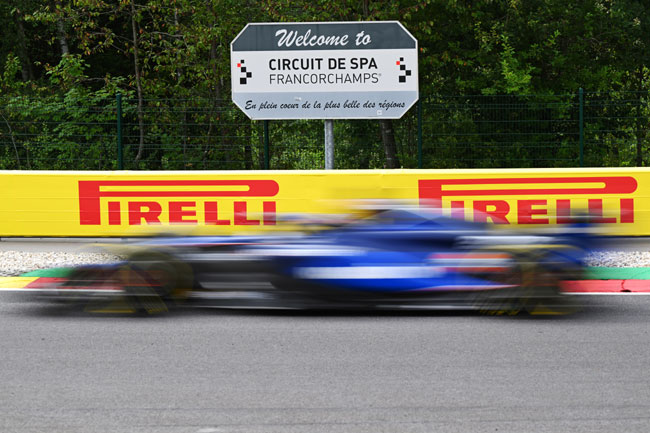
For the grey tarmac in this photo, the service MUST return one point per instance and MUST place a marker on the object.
(209, 371)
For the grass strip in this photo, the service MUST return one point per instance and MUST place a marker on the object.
(49, 273)
(598, 273)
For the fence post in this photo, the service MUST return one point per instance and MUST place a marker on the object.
(120, 156)
(266, 144)
(581, 99)
(419, 133)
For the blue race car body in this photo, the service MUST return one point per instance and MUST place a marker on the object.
(398, 258)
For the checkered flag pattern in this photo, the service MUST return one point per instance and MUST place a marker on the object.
(245, 75)
(403, 71)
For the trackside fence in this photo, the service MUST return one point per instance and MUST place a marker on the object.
(110, 132)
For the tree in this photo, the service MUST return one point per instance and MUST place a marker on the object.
(170, 54)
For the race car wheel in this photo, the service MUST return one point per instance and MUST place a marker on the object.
(155, 281)
(535, 289)
(545, 296)
(505, 301)
(540, 286)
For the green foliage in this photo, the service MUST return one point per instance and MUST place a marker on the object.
(62, 133)
(8, 81)
(58, 110)
(68, 73)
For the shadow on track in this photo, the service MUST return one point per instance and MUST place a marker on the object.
(592, 311)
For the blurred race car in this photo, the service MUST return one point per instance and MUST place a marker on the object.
(395, 258)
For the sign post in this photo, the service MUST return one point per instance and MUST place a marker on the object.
(329, 144)
(339, 70)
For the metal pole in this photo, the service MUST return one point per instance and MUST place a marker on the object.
(266, 145)
(419, 133)
(582, 131)
(329, 144)
(120, 155)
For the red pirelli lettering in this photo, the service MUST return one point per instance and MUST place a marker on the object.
(531, 211)
(178, 211)
(458, 209)
(433, 189)
(144, 210)
(114, 213)
(494, 210)
(269, 213)
(527, 208)
(212, 214)
(627, 210)
(563, 211)
(240, 217)
(92, 191)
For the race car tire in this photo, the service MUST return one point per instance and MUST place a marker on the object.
(536, 291)
(156, 281)
(541, 292)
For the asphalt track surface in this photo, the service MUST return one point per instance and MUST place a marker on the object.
(210, 371)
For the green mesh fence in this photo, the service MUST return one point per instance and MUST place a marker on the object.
(76, 133)
(616, 126)
(500, 131)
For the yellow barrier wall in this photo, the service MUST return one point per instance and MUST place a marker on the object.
(140, 203)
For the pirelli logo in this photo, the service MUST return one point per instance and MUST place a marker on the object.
(150, 202)
(534, 200)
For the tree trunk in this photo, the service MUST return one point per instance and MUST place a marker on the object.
(138, 82)
(13, 140)
(26, 66)
(63, 42)
(639, 132)
(185, 133)
(390, 147)
(215, 116)
(639, 141)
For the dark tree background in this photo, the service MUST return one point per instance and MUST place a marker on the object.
(63, 62)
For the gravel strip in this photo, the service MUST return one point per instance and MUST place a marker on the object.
(13, 263)
(619, 259)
